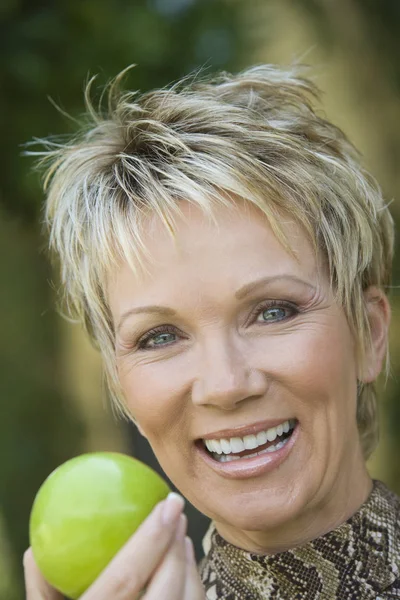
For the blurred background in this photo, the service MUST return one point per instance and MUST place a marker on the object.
(53, 405)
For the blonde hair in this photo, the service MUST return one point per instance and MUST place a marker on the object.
(255, 134)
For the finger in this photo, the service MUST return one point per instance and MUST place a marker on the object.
(168, 581)
(194, 589)
(130, 570)
(36, 586)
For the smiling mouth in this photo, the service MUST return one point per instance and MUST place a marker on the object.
(265, 442)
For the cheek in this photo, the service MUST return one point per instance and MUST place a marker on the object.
(153, 394)
(316, 362)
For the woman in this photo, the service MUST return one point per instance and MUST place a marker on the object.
(230, 257)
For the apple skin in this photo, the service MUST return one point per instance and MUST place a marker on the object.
(84, 513)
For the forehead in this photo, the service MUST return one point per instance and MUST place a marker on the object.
(212, 257)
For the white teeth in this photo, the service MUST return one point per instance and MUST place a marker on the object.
(230, 457)
(217, 447)
(262, 438)
(250, 442)
(226, 446)
(210, 445)
(235, 445)
(227, 457)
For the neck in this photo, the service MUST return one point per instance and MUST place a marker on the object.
(340, 501)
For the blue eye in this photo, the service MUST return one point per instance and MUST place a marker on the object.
(161, 338)
(274, 313)
(158, 337)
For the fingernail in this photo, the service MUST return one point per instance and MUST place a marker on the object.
(172, 508)
(26, 557)
(189, 549)
(181, 528)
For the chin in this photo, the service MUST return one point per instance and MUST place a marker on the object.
(246, 515)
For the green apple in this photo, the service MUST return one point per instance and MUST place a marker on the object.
(84, 513)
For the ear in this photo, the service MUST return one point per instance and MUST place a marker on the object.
(378, 314)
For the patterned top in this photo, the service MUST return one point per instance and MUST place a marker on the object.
(359, 560)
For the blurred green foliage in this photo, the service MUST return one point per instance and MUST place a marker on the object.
(50, 48)
(381, 20)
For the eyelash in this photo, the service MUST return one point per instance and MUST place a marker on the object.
(141, 344)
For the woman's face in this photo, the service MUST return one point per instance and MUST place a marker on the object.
(226, 336)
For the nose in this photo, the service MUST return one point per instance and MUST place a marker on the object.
(226, 376)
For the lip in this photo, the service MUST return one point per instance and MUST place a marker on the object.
(244, 430)
(246, 468)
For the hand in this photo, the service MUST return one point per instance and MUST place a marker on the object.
(156, 562)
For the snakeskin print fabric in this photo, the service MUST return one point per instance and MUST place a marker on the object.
(360, 560)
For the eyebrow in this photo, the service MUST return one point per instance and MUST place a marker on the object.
(248, 288)
(155, 309)
(242, 293)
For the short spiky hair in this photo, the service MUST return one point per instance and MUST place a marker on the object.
(255, 134)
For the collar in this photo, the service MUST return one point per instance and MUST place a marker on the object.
(358, 559)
